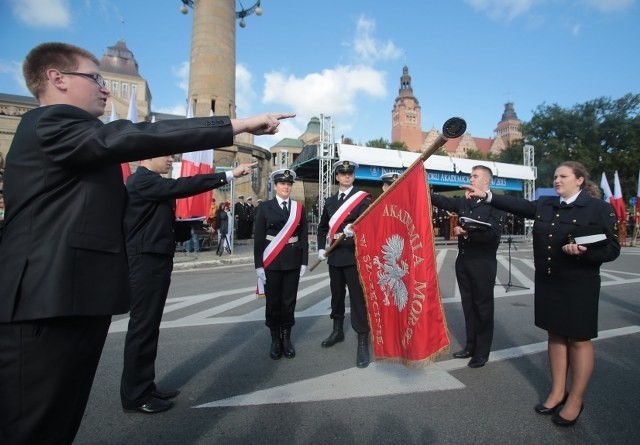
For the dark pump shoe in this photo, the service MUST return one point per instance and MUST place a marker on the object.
(465, 353)
(477, 362)
(561, 421)
(165, 395)
(541, 409)
(337, 335)
(153, 406)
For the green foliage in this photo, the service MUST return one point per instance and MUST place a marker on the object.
(378, 143)
(603, 134)
(475, 154)
(347, 140)
(399, 145)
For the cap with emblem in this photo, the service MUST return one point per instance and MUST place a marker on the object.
(390, 178)
(283, 175)
(345, 166)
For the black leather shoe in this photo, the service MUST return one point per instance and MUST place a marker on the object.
(541, 409)
(164, 395)
(561, 421)
(153, 406)
(465, 353)
(336, 336)
(287, 347)
(477, 362)
(362, 354)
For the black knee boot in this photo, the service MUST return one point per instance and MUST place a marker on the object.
(276, 344)
(287, 346)
(362, 356)
(337, 335)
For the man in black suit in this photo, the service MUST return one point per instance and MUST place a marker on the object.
(149, 223)
(63, 264)
(240, 215)
(476, 266)
(281, 254)
(343, 271)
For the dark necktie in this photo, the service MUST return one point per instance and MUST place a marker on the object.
(563, 204)
(341, 199)
(284, 207)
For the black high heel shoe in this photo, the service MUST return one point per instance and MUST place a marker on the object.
(541, 409)
(561, 421)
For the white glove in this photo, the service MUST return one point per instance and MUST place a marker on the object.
(348, 231)
(321, 255)
(261, 274)
(303, 269)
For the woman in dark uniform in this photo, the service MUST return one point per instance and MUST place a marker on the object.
(567, 278)
(281, 253)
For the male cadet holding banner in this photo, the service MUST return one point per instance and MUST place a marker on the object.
(476, 266)
(388, 179)
(340, 210)
(280, 253)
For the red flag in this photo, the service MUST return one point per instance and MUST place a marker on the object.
(397, 266)
(638, 201)
(195, 163)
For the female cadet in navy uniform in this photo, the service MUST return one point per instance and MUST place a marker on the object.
(567, 279)
(281, 274)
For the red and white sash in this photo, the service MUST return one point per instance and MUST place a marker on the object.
(343, 211)
(275, 247)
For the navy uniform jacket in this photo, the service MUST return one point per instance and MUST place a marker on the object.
(62, 251)
(344, 254)
(269, 220)
(149, 218)
(477, 243)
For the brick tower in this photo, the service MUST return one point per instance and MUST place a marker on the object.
(406, 115)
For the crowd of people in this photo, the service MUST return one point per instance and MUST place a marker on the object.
(64, 164)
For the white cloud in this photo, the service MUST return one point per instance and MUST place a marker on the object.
(14, 70)
(367, 48)
(504, 9)
(181, 72)
(42, 13)
(609, 6)
(245, 94)
(333, 91)
(575, 29)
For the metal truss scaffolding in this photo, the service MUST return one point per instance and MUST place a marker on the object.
(529, 191)
(326, 156)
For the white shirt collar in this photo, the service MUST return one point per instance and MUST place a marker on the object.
(570, 200)
(346, 192)
(280, 201)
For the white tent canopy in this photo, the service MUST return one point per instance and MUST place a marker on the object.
(402, 159)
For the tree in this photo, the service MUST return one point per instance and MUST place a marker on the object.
(475, 154)
(378, 143)
(347, 140)
(398, 145)
(603, 134)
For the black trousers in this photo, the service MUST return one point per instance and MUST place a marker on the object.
(150, 277)
(281, 291)
(46, 372)
(340, 279)
(476, 280)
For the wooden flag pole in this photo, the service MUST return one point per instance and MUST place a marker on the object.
(452, 128)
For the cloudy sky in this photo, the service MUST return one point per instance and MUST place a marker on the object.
(344, 58)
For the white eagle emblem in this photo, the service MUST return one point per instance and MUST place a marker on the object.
(391, 272)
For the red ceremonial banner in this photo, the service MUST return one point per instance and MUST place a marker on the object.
(397, 267)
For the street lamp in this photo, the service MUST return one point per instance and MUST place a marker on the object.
(256, 8)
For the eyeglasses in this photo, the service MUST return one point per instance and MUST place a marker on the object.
(97, 78)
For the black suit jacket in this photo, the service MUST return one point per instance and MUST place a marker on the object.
(62, 252)
(149, 218)
(345, 253)
(269, 220)
(480, 243)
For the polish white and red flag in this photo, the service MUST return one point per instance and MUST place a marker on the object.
(195, 163)
(617, 201)
(606, 190)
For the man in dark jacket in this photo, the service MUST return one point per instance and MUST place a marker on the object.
(476, 266)
(63, 265)
(149, 222)
(340, 210)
